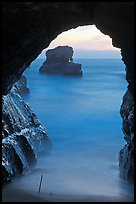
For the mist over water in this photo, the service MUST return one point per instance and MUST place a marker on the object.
(81, 115)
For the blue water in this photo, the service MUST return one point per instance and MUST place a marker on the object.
(81, 115)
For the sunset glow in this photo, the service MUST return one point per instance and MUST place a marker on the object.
(87, 42)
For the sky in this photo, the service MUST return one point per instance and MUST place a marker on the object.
(87, 42)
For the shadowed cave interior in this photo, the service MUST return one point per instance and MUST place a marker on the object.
(28, 28)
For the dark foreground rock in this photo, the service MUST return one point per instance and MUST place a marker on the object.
(59, 61)
(126, 155)
(23, 137)
(21, 86)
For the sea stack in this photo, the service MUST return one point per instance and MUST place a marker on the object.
(59, 61)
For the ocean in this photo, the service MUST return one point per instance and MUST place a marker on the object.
(82, 119)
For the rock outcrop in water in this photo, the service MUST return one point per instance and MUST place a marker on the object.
(21, 86)
(59, 61)
(23, 137)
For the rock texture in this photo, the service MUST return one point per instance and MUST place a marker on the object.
(29, 27)
(21, 86)
(59, 61)
(126, 155)
(23, 137)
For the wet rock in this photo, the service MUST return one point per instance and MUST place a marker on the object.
(126, 155)
(126, 162)
(11, 162)
(21, 86)
(26, 149)
(59, 61)
(24, 138)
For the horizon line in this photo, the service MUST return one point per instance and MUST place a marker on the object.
(85, 58)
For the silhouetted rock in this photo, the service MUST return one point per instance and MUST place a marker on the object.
(126, 155)
(59, 61)
(21, 86)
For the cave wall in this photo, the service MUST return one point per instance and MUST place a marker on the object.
(23, 137)
(28, 28)
(116, 19)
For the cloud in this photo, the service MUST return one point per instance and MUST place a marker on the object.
(85, 39)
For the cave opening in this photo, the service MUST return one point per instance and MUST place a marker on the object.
(19, 64)
(82, 118)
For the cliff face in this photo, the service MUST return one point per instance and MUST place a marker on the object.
(126, 155)
(29, 27)
(21, 86)
(23, 137)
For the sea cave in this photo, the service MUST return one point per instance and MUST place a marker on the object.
(27, 29)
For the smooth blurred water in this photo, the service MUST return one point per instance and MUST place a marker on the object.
(81, 115)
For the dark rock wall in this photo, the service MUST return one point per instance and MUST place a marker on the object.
(21, 86)
(23, 137)
(126, 155)
(118, 23)
(29, 27)
(116, 19)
